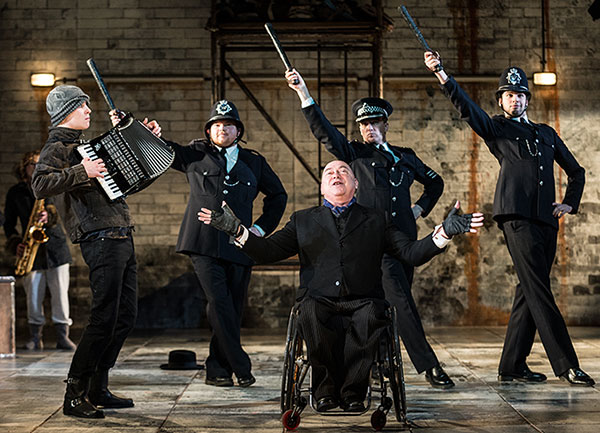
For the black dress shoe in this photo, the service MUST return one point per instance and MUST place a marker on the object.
(245, 382)
(219, 381)
(524, 375)
(326, 403)
(576, 376)
(354, 406)
(438, 378)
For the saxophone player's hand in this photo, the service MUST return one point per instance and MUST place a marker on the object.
(20, 249)
(43, 217)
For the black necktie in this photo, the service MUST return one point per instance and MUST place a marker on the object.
(221, 153)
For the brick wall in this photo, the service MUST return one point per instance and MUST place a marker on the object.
(156, 40)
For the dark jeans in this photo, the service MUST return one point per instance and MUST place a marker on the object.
(113, 280)
(341, 340)
(225, 285)
(532, 247)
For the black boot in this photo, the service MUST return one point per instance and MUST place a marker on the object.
(76, 400)
(63, 342)
(101, 396)
(35, 342)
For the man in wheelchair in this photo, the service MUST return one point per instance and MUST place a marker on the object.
(340, 299)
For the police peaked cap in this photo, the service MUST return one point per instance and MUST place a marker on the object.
(371, 108)
(513, 79)
(224, 110)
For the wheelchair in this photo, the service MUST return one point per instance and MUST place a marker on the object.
(387, 378)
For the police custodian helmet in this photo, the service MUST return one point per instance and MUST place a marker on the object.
(224, 110)
(371, 108)
(513, 79)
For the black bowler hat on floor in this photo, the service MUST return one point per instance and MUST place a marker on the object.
(182, 360)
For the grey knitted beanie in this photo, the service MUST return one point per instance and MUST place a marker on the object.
(62, 101)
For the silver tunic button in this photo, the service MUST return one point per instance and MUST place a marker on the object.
(541, 182)
(537, 141)
(393, 198)
(373, 164)
(540, 153)
(249, 183)
(393, 214)
(393, 169)
(227, 177)
(225, 191)
(205, 172)
(541, 167)
(337, 283)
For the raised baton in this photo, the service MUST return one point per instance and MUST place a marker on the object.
(418, 33)
(279, 48)
(96, 74)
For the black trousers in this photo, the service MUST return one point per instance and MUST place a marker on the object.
(113, 280)
(341, 339)
(532, 247)
(225, 285)
(397, 281)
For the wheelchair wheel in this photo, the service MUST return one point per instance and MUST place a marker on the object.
(290, 420)
(288, 379)
(378, 420)
(396, 371)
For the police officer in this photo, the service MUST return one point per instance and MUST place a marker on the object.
(527, 212)
(219, 169)
(385, 174)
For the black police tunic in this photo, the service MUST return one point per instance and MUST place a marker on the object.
(382, 183)
(526, 153)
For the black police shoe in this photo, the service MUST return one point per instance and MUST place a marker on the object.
(219, 381)
(438, 378)
(576, 376)
(326, 403)
(245, 382)
(523, 375)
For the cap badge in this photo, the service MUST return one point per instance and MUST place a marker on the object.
(223, 107)
(513, 76)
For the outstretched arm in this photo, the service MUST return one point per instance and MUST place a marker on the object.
(334, 141)
(280, 245)
(469, 111)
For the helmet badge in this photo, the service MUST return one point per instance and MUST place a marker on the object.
(513, 77)
(223, 107)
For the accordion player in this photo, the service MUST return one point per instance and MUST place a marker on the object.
(134, 157)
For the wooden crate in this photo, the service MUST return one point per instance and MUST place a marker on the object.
(7, 317)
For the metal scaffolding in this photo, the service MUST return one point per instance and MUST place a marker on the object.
(319, 37)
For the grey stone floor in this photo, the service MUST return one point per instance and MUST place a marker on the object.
(31, 390)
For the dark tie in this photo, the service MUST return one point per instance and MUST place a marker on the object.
(221, 152)
(388, 154)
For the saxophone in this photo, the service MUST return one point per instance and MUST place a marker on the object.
(35, 234)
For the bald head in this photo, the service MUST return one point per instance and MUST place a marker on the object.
(338, 183)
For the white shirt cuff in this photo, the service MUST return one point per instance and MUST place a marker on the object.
(438, 239)
(308, 102)
(241, 239)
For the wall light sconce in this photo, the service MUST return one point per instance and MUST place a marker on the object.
(544, 78)
(42, 79)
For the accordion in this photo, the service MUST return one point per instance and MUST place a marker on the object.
(134, 157)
